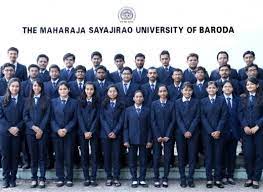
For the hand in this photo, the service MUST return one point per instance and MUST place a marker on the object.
(188, 134)
(39, 135)
(160, 139)
(61, 133)
(88, 135)
(214, 135)
(247, 130)
(217, 134)
(13, 131)
(166, 139)
(149, 145)
(254, 129)
(126, 144)
(112, 135)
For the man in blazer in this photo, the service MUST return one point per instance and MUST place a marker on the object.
(77, 86)
(119, 62)
(51, 86)
(139, 75)
(174, 89)
(201, 84)
(68, 73)
(8, 72)
(42, 62)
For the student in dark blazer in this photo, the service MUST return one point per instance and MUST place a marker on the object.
(165, 72)
(150, 89)
(187, 132)
(112, 119)
(127, 88)
(251, 117)
(68, 73)
(213, 116)
(249, 58)
(11, 125)
(189, 74)
(51, 86)
(20, 69)
(36, 116)
(63, 123)
(201, 84)
(119, 61)
(88, 117)
(231, 135)
(139, 75)
(77, 86)
(174, 89)
(222, 59)
(137, 137)
(42, 62)
(101, 83)
(8, 72)
(162, 123)
(224, 72)
(26, 86)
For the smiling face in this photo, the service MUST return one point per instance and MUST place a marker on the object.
(192, 62)
(12, 55)
(227, 88)
(69, 62)
(249, 59)
(165, 60)
(139, 61)
(187, 92)
(222, 59)
(112, 93)
(42, 63)
(63, 91)
(9, 72)
(89, 90)
(162, 92)
(211, 90)
(96, 60)
(14, 88)
(251, 87)
(36, 88)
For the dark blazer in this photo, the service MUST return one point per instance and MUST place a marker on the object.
(44, 76)
(162, 119)
(90, 76)
(112, 120)
(213, 116)
(65, 77)
(3, 86)
(88, 117)
(200, 94)
(140, 80)
(128, 97)
(21, 72)
(137, 128)
(190, 77)
(174, 92)
(165, 77)
(50, 90)
(63, 118)
(102, 91)
(250, 115)
(36, 115)
(75, 92)
(11, 115)
(215, 75)
(243, 75)
(115, 77)
(26, 87)
(187, 115)
(236, 86)
(149, 95)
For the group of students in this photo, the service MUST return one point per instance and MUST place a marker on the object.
(142, 110)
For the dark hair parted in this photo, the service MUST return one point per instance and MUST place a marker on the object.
(222, 52)
(83, 96)
(42, 56)
(119, 56)
(67, 55)
(7, 96)
(249, 53)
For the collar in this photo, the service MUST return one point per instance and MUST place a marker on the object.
(230, 96)
(136, 107)
(16, 97)
(89, 100)
(166, 67)
(210, 97)
(66, 99)
(52, 81)
(69, 68)
(103, 81)
(178, 85)
(184, 99)
(154, 83)
(37, 95)
(138, 70)
(252, 94)
(128, 84)
(80, 82)
(200, 82)
(42, 71)
(114, 101)
(165, 101)
(223, 80)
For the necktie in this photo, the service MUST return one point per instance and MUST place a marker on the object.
(138, 110)
(229, 102)
(140, 73)
(187, 103)
(167, 69)
(68, 71)
(112, 104)
(36, 100)
(251, 100)
(152, 87)
(200, 86)
(54, 84)
(63, 102)
(13, 99)
(163, 104)
(212, 100)
(88, 103)
(101, 84)
(125, 88)
(80, 86)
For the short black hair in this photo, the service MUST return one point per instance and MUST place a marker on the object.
(54, 66)
(150, 68)
(67, 55)
(101, 67)
(252, 65)
(33, 66)
(140, 55)
(8, 65)
(250, 53)
(212, 83)
(119, 56)
(42, 55)
(222, 52)
(13, 49)
(192, 55)
(80, 67)
(165, 52)
(126, 69)
(187, 84)
(225, 65)
(200, 68)
(96, 53)
(178, 70)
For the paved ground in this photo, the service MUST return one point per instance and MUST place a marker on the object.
(173, 187)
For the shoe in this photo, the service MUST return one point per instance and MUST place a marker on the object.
(93, 183)
(248, 183)
(165, 184)
(5, 184)
(224, 181)
(12, 184)
(183, 184)
(117, 183)
(42, 184)
(108, 182)
(143, 184)
(255, 185)
(26, 166)
(33, 184)
(231, 181)
(69, 183)
(219, 184)
(86, 183)
(157, 184)
(209, 184)
(191, 184)
(134, 184)
(60, 184)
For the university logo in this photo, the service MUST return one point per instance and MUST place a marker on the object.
(126, 15)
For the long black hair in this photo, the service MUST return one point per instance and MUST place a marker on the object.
(83, 96)
(43, 100)
(106, 101)
(7, 96)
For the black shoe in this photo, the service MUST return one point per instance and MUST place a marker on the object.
(69, 183)
(86, 183)
(93, 183)
(191, 184)
(157, 184)
(60, 184)
(33, 184)
(134, 184)
(255, 185)
(248, 184)
(5, 184)
(219, 184)
(209, 184)
(26, 166)
(143, 184)
(183, 184)
(108, 182)
(12, 184)
(42, 184)
(231, 181)
(224, 181)
(165, 184)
